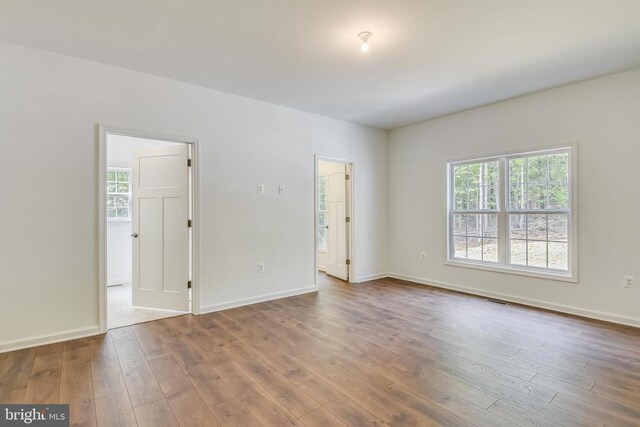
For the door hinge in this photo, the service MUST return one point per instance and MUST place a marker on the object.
(189, 223)
(348, 219)
(348, 262)
(189, 163)
(189, 284)
(347, 177)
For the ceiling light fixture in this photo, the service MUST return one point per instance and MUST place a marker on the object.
(365, 36)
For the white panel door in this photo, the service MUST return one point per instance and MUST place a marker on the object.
(336, 220)
(160, 229)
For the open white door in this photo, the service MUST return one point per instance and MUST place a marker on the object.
(337, 222)
(160, 227)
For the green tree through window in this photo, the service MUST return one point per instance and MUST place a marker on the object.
(512, 210)
(118, 193)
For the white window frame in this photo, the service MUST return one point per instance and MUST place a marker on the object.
(503, 211)
(120, 219)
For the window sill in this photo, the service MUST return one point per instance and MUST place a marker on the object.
(560, 277)
(118, 219)
(322, 251)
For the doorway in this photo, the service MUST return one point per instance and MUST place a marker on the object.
(147, 223)
(334, 218)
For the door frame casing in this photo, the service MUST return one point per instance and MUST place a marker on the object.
(351, 209)
(194, 143)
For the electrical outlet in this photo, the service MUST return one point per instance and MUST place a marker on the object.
(260, 267)
(628, 282)
(423, 255)
(260, 188)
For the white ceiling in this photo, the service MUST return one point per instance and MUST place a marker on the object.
(427, 58)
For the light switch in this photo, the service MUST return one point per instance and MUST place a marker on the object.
(281, 189)
(260, 188)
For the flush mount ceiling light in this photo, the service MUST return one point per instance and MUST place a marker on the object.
(365, 36)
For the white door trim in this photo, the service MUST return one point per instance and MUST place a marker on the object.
(103, 131)
(351, 208)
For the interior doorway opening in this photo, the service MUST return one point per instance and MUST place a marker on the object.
(147, 223)
(334, 218)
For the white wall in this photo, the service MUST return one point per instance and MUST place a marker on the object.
(50, 105)
(119, 253)
(603, 115)
(119, 248)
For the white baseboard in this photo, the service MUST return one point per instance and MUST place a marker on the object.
(67, 335)
(254, 300)
(372, 277)
(592, 314)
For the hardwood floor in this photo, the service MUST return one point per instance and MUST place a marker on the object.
(384, 353)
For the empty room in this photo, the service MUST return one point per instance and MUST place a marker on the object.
(332, 213)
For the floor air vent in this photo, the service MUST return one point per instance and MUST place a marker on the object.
(497, 301)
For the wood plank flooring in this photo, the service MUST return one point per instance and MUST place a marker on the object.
(382, 353)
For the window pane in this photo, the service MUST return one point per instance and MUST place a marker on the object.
(460, 186)
(322, 193)
(474, 248)
(322, 230)
(474, 225)
(481, 231)
(475, 174)
(537, 169)
(490, 225)
(537, 227)
(537, 256)
(491, 171)
(489, 199)
(111, 187)
(517, 226)
(111, 202)
(121, 201)
(489, 186)
(558, 255)
(559, 167)
(490, 250)
(111, 213)
(475, 186)
(111, 175)
(539, 182)
(460, 224)
(123, 187)
(461, 200)
(123, 176)
(558, 227)
(123, 212)
(537, 196)
(517, 171)
(460, 177)
(558, 195)
(517, 197)
(519, 252)
(460, 247)
(473, 198)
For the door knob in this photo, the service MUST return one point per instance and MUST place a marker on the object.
(134, 235)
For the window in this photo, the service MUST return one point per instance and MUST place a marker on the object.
(322, 213)
(118, 194)
(513, 212)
